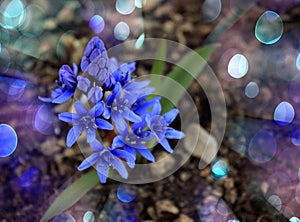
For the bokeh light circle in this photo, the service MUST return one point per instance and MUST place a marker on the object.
(125, 193)
(121, 31)
(88, 217)
(284, 114)
(269, 28)
(238, 66)
(295, 138)
(97, 24)
(275, 201)
(125, 7)
(12, 14)
(251, 90)
(211, 9)
(8, 140)
(262, 147)
(220, 169)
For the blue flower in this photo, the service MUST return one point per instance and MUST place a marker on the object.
(121, 100)
(65, 86)
(159, 126)
(106, 157)
(83, 119)
(123, 73)
(96, 63)
(135, 140)
(94, 48)
(95, 94)
(143, 105)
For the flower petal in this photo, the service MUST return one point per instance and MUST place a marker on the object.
(171, 115)
(89, 161)
(130, 150)
(96, 146)
(46, 100)
(103, 124)
(174, 134)
(102, 172)
(146, 154)
(90, 134)
(83, 83)
(156, 108)
(131, 116)
(73, 135)
(117, 142)
(63, 97)
(119, 166)
(80, 109)
(119, 121)
(69, 117)
(164, 142)
(130, 159)
(97, 110)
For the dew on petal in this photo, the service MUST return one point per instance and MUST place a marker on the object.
(211, 9)
(262, 147)
(295, 138)
(97, 24)
(121, 31)
(219, 169)
(233, 220)
(43, 119)
(8, 140)
(125, 193)
(12, 14)
(275, 201)
(251, 90)
(284, 114)
(64, 217)
(238, 66)
(125, 7)
(269, 28)
(298, 61)
(88, 217)
(140, 41)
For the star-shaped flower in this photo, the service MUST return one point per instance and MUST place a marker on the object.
(84, 119)
(159, 126)
(106, 157)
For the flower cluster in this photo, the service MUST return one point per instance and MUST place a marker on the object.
(120, 105)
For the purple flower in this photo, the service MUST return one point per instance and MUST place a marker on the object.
(83, 119)
(159, 126)
(106, 157)
(121, 100)
(123, 73)
(135, 140)
(65, 86)
(96, 63)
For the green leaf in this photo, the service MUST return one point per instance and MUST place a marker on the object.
(183, 77)
(71, 195)
(159, 64)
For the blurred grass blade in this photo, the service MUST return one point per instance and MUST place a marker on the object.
(159, 64)
(184, 78)
(71, 195)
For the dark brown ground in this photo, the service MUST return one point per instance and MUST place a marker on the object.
(189, 191)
